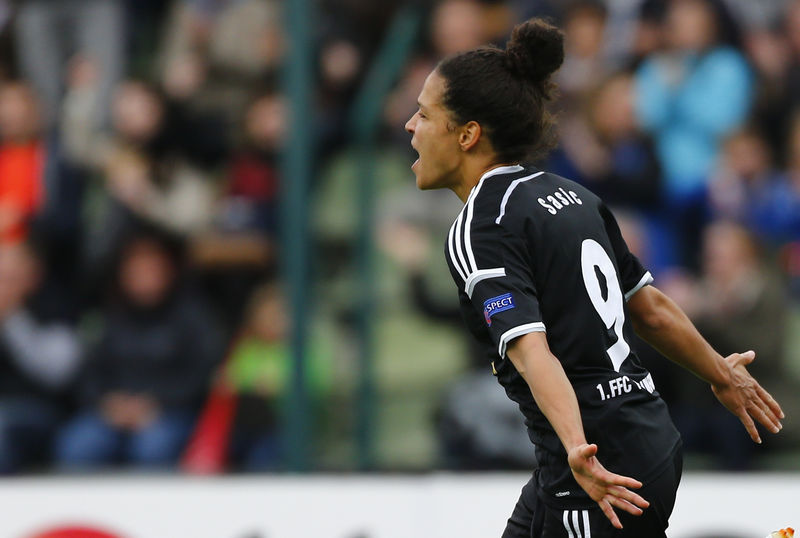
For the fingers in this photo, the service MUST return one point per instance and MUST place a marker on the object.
(742, 359)
(748, 423)
(756, 403)
(762, 413)
(618, 480)
(588, 451)
(609, 513)
(622, 504)
(770, 401)
(629, 496)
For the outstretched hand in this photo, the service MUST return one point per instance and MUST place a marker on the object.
(746, 399)
(607, 489)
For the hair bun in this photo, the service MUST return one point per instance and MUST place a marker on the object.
(535, 50)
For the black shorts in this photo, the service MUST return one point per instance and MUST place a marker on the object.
(534, 519)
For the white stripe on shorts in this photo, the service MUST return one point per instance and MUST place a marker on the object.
(565, 519)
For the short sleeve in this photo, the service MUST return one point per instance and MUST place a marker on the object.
(503, 292)
(633, 275)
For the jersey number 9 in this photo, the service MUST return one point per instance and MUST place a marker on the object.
(610, 309)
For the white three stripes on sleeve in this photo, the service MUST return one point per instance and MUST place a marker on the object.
(451, 239)
(464, 260)
(467, 232)
(457, 240)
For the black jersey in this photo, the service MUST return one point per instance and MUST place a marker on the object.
(532, 251)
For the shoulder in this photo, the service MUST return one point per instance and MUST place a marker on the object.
(515, 200)
(492, 195)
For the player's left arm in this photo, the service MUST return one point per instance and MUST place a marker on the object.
(532, 358)
(662, 324)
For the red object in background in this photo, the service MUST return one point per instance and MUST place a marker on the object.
(75, 532)
(207, 452)
(253, 177)
(21, 185)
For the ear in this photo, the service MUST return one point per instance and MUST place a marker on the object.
(470, 135)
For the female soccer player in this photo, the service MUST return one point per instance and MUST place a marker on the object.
(547, 284)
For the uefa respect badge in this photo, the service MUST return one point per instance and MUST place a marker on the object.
(496, 305)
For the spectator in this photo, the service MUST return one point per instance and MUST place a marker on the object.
(146, 377)
(690, 97)
(47, 33)
(239, 251)
(771, 55)
(584, 62)
(742, 176)
(250, 201)
(237, 42)
(170, 193)
(749, 189)
(38, 358)
(455, 25)
(649, 32)
(259, 371)
(737, 302)
(341, 65)
(780, 219)
(137, 120)
(145, 176)
(38, 194)
(195, 132)
(22, 162)
(612, 157)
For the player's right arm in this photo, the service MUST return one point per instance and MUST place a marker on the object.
(662, 324)
(556, 398)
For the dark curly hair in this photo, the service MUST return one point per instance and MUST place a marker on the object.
(506, 91)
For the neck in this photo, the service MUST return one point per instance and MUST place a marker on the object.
(471, 178)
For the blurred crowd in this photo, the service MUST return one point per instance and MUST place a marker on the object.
(142, 317)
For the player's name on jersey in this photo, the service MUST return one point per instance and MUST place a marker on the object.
(559, 200)
(623, 385)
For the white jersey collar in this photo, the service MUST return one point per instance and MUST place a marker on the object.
(502, 170)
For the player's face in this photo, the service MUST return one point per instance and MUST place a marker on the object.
(435, 138)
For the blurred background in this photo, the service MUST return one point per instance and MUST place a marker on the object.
(213, 256)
